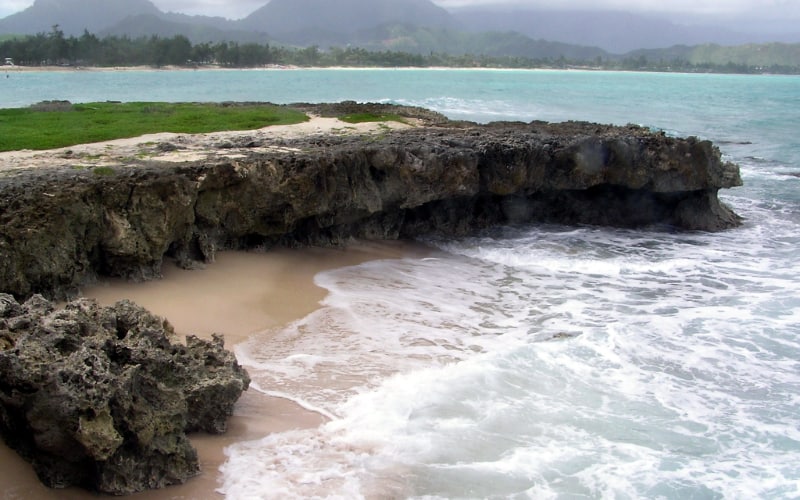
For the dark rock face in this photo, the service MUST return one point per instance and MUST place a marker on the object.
(63, 227)
(102, 398)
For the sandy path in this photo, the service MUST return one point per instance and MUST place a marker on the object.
(187, 147)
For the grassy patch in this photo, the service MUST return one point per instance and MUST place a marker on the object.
(51, 127)
(103, 171)
(372, 117)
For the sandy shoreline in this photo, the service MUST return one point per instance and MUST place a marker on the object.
(241, 294)
(271, 67)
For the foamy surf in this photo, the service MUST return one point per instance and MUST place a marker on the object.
(539, 362)
(555, 362)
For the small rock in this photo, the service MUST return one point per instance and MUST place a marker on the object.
(166, 147)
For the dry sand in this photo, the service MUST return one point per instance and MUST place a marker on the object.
(240, 294)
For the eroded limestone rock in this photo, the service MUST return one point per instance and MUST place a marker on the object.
(102, 397)
(62, 227)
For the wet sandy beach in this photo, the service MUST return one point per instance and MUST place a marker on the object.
(242, 293)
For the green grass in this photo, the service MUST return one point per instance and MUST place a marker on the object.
(103, 171)
(47, 127)
(371, 117)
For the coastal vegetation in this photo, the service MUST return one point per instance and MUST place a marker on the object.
(61, 124)
(415, 48)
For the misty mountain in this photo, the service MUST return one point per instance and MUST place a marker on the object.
(769, 55)
(301, 20)
(74, 16)
(615, 31)
(198, 29)
(415, 26)
(422, 40)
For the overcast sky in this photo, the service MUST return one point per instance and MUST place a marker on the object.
(775, 9)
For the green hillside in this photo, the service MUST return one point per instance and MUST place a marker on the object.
(759, 55)
(422, 40)
(750, 58)
(386, 46)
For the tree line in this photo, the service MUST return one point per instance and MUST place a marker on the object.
(54, 48)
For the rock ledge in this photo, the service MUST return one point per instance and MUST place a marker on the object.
(65, 225)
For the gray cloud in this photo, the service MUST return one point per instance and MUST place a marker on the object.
(225, 8)
(764, 9)
(10, 6)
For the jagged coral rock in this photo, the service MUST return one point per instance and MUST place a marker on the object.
(103, 397)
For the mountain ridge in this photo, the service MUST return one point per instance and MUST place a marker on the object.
(344, 16)
(617, 32)
(74, 16)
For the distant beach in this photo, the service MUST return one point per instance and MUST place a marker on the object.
(272, 67)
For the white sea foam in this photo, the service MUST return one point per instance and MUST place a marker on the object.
(558, 362)
(553, 362)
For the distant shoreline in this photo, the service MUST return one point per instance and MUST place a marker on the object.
(54, 69)
(65, 69)
(31, 69)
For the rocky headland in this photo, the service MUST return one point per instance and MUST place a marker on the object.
(69, 222)
(103, 397)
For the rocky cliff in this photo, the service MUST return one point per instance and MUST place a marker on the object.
(64, 225)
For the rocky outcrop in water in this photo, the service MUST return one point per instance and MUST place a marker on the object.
(103, 397)
(62, 227)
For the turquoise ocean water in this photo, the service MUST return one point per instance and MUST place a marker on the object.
(536, 361)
